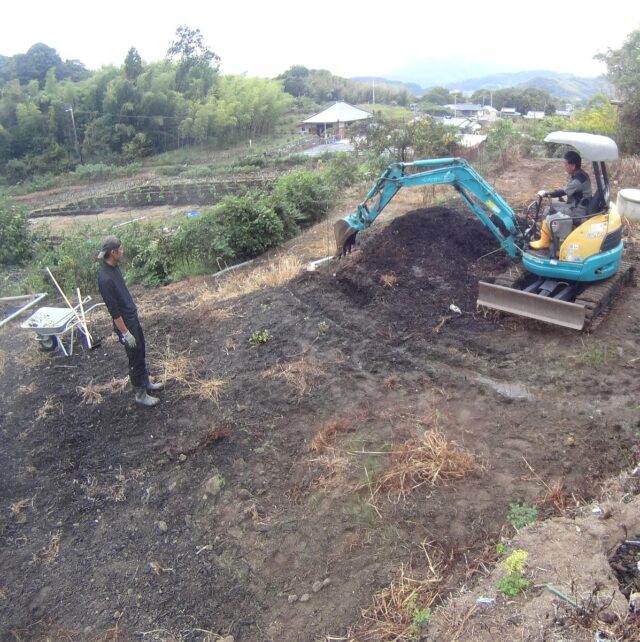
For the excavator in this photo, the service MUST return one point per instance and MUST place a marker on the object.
(571, 283)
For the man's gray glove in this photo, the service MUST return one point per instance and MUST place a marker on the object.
(129, 340)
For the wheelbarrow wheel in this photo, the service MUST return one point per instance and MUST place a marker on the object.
(48, 343)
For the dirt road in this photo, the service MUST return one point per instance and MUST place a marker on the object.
(250, 503)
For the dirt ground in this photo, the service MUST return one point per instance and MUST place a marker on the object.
(256, 502)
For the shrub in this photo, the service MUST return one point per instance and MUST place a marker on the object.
(521, 515)
(73, 264)
(101, 171)
(148, 254)
(16, 171)
(15, 236)
(201, 243)
(302, 196)
(342, 170)
(249, 226)
(505, 144)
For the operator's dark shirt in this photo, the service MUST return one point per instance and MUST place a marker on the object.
(116, 294)
(578, 190)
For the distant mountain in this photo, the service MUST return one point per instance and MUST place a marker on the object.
(432, 72)
(412, 87)
(565, 86)
(571, 87)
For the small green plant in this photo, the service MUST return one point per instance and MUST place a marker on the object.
(521, 515)
(515, 563)
(323, 326)
(501, 549)
(514, 583)
(599, 355)
(420, 618)
(260, 337)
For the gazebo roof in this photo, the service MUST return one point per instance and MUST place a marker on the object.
(339, 112)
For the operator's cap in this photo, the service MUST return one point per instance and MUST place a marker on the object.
(109, 243)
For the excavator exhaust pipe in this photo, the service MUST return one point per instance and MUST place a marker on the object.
(345, 237)
(532, 306)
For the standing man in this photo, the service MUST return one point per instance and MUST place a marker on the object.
(125, 319)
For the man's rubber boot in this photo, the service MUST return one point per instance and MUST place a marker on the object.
(144, 399)
(153, 387)
(545, 237)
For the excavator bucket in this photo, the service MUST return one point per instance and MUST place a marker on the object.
(533, 306)
(345, 237)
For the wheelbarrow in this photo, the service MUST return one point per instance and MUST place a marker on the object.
(51, 325)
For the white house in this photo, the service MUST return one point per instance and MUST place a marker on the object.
(333, 120)
(470, 110)
(510, 112)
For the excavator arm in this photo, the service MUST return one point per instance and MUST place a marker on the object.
(481, 198)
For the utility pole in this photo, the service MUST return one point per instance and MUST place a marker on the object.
(75, 134)
(373, 90)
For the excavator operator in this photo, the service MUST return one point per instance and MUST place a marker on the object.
(578, 193)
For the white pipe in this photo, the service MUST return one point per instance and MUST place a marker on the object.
(133, 220)
(84, 320)
(39, 297)
(311, 266)
(64, 296)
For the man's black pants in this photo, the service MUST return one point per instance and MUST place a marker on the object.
(137, 356)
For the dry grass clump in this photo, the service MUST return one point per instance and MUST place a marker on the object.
(205, 389)
(3, 361)
(325, 439)
(431, 459)
(175, 365)
(297, 374)
(388, 280)
(280, 271)
(401, 611)
(557, 496)
(17, 507)
(333, 469)
(179, 367)
(26, 390)
(50, 407)
(93, 393)
(49, 553)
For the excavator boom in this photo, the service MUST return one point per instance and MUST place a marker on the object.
(485, 203)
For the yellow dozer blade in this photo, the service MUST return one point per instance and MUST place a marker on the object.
(533, 306)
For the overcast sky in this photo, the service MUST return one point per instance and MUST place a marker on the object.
(347, 37)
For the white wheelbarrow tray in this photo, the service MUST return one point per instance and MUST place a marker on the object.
(51, 324)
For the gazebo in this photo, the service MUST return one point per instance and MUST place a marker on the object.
(333, 120)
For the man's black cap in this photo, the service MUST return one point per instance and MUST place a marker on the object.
(109, 243)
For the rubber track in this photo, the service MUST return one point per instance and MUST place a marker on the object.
(596, 298)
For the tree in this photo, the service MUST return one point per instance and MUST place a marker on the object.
(437, 96)
(133, 64)
(295, 80)
(195, 59)
(623, 71)
(35, 63)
